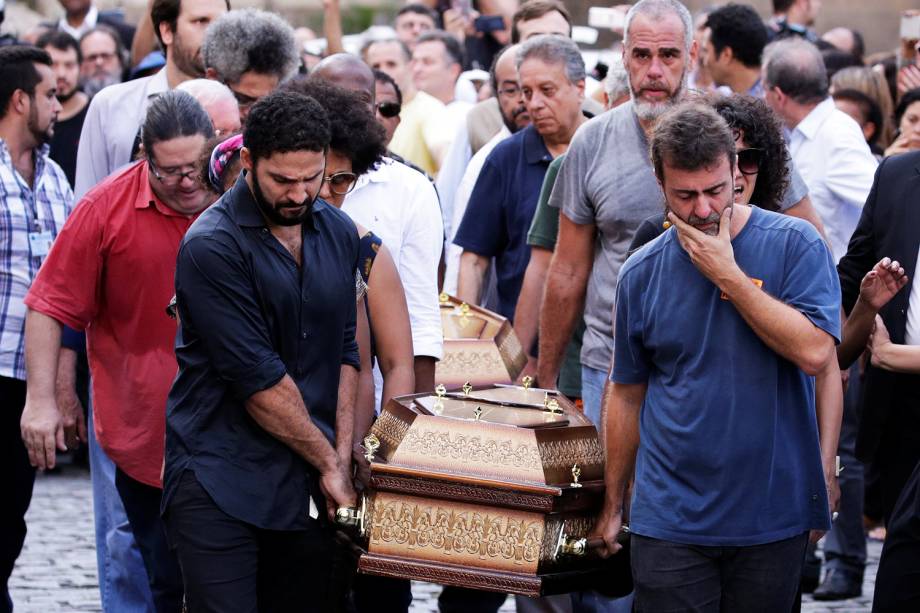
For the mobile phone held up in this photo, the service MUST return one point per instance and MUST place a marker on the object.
(489, 23)
(910, 26)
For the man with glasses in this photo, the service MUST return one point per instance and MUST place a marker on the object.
(251, 52)
(110, 272)
(103, 61)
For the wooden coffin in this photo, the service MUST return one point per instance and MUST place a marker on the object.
(492, 488)
(480, 347)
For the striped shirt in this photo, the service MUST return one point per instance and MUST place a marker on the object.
(24, 209)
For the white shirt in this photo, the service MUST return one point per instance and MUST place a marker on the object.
(912, 331)
(831, 154)
(89, 22)
(400, 205)
(461, 200)
(451, 173)
(112, 121)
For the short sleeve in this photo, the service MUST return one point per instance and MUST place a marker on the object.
(67, 285)
(544, 229)
(483, 230)
(796, 190)
(811, 285)
(217, 304)
(631, 363)
(569, 193)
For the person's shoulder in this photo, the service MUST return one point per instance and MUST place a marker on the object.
(113, 94)
(602, 126)
(55, 169)
(643, 259)
(337, 221)
(900, 166)
(769, 221)
(510, 148)
(113, 190)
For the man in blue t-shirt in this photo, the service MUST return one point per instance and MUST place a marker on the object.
(720, 324)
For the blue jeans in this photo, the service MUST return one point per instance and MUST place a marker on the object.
(123, 585)
(592, 395)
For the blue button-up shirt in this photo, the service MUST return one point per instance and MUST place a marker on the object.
(501, 208)
(250, 315)
(25, 209)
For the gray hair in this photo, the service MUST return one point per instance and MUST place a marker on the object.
(616, 84)
(174, 114)
(208, 91)
(250, 40)
(796, 67)
(657, 9)
(554, 49)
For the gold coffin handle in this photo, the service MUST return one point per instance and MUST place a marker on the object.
(579, 547)
(354, 517)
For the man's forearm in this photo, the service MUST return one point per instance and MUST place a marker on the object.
(43, 344)
(472, 271)
(829, 410)
(621, 423)
(345, 412)
(563, 304)
(527, 313)
(782, 328)
(280, 411)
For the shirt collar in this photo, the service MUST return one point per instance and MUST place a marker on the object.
(379, 174)
(809, 126)
(244, 210)
(535, 151)
(38, 154)
(89, 22)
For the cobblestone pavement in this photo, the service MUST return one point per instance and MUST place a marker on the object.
(57, 568)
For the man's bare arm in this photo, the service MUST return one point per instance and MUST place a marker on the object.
(345, 413)
(473, 268)
(564, 297)
(621, 422)
(829, 410)
(42, 423)
(527, 312)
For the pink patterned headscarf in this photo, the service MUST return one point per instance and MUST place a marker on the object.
(221, 158)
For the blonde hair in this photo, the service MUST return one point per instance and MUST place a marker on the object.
(873, 83)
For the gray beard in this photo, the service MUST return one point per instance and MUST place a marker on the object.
(651, 111)
(94, 85)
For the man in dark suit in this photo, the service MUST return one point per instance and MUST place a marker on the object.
(889, 432)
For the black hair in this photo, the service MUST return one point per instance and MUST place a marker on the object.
(740, 28)
(62, 41)
(534, 9)
(869, 108)
(761, 129)
(451, 44)
(781, 6)
(691, 136)
(419, 9)
(382, 77)
(354, 132)
(173, 114)
(17, 71)
(285, 121)
(907, 99)
(167, 11)
(836, 60)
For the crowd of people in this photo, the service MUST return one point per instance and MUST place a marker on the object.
(222, 250)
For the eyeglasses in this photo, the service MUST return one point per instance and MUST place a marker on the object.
(341, 182)
(749, 161)
(98, 57)
(243, 100)
(512, 91)
(389, 109)
(173, 176)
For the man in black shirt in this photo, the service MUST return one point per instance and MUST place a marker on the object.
(65, 62)
(259, 419)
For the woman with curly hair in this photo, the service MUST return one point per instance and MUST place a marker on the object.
(358, 143)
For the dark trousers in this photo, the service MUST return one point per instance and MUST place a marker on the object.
(897, 583)
(230, 565)
(142, 505)
(373, 594)
(16, 482)
(463, 600)
(845, 544)
(675, 577)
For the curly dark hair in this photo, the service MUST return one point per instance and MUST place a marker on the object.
(355, 133)
(285, 121)
(739, 27)
(760, 129)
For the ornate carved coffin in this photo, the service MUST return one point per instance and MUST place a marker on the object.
(480, 346)
(492, 488)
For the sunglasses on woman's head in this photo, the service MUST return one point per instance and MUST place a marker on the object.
(389, 109)
(749, 161)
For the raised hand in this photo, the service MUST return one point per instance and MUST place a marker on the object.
(882, 283)
(712, 255)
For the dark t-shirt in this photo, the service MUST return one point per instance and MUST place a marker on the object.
(65, 141)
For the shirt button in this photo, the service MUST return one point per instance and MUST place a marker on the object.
(814, 496)
(303, 335)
